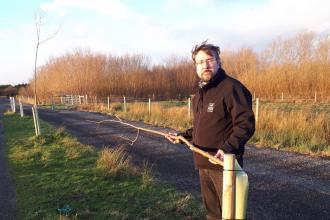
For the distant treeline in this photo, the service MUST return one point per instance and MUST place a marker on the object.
(298, 66)
(9, 90)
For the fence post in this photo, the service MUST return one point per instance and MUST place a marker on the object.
(13, 104)
(21, 109)
(36, 120)
(108, 103)
(124, 104)
(228, 192)
(189, 107)
(149, 106)
(257, 110)
(72, 97)
(53, 107)
(282, 96)
(315, 97)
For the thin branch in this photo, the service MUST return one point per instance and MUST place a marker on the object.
(132, 141)
(211, 158)
(58, 30)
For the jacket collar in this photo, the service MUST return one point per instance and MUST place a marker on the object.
(215, 80)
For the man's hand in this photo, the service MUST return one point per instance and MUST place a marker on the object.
(173, 138)
(219, 154)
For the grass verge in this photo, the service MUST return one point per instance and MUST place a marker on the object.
(56, 177)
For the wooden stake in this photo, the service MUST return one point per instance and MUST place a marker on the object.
(125, 104)
(149, 106)
(189, 108)
(228, 193)
(37, 121)
(14, 107)
(53, 105)
(257, 110)
(315, 97)
(21, 109)
(34, 121)
(72, 101)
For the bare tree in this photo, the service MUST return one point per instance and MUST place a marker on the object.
(38, 23)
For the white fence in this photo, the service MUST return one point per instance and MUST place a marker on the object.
(71, 99)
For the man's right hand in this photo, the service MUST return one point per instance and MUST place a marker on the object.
(173, 138)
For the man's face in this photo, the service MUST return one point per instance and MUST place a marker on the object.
(206, 65)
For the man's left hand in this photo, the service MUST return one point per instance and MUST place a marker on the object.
(219, 154)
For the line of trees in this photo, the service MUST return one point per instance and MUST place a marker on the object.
(297, 66)
(9, 90)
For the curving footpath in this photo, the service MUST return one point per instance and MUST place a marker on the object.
(7, 191)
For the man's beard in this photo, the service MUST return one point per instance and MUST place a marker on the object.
(207, 75)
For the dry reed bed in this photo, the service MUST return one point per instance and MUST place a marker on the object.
(299, 130)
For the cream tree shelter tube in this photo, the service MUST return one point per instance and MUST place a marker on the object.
(241, 194)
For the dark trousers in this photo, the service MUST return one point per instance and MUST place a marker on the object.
(211, 188)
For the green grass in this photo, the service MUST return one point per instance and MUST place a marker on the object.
(173, 103)
(59, 106)
(314, 108)
(55, 173)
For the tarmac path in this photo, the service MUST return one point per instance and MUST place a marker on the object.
(7, 191)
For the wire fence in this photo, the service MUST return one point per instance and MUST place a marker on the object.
(314, 105)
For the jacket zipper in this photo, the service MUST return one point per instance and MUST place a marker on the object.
(199, 110)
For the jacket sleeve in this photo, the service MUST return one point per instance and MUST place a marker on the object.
(187, 134)
(239, 106)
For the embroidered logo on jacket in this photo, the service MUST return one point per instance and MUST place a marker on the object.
(210, 107)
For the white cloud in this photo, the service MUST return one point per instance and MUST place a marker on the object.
(257, 25)
(282, 16)
(135, 31)
(178, 5)
(114, 8)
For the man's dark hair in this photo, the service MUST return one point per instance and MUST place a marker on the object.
(207, 48)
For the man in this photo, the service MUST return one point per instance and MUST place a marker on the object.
(223, 122)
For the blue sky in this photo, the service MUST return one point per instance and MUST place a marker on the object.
(157, 29)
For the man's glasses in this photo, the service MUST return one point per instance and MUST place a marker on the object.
(203, 62)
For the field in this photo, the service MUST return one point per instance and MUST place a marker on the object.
(303, 128)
